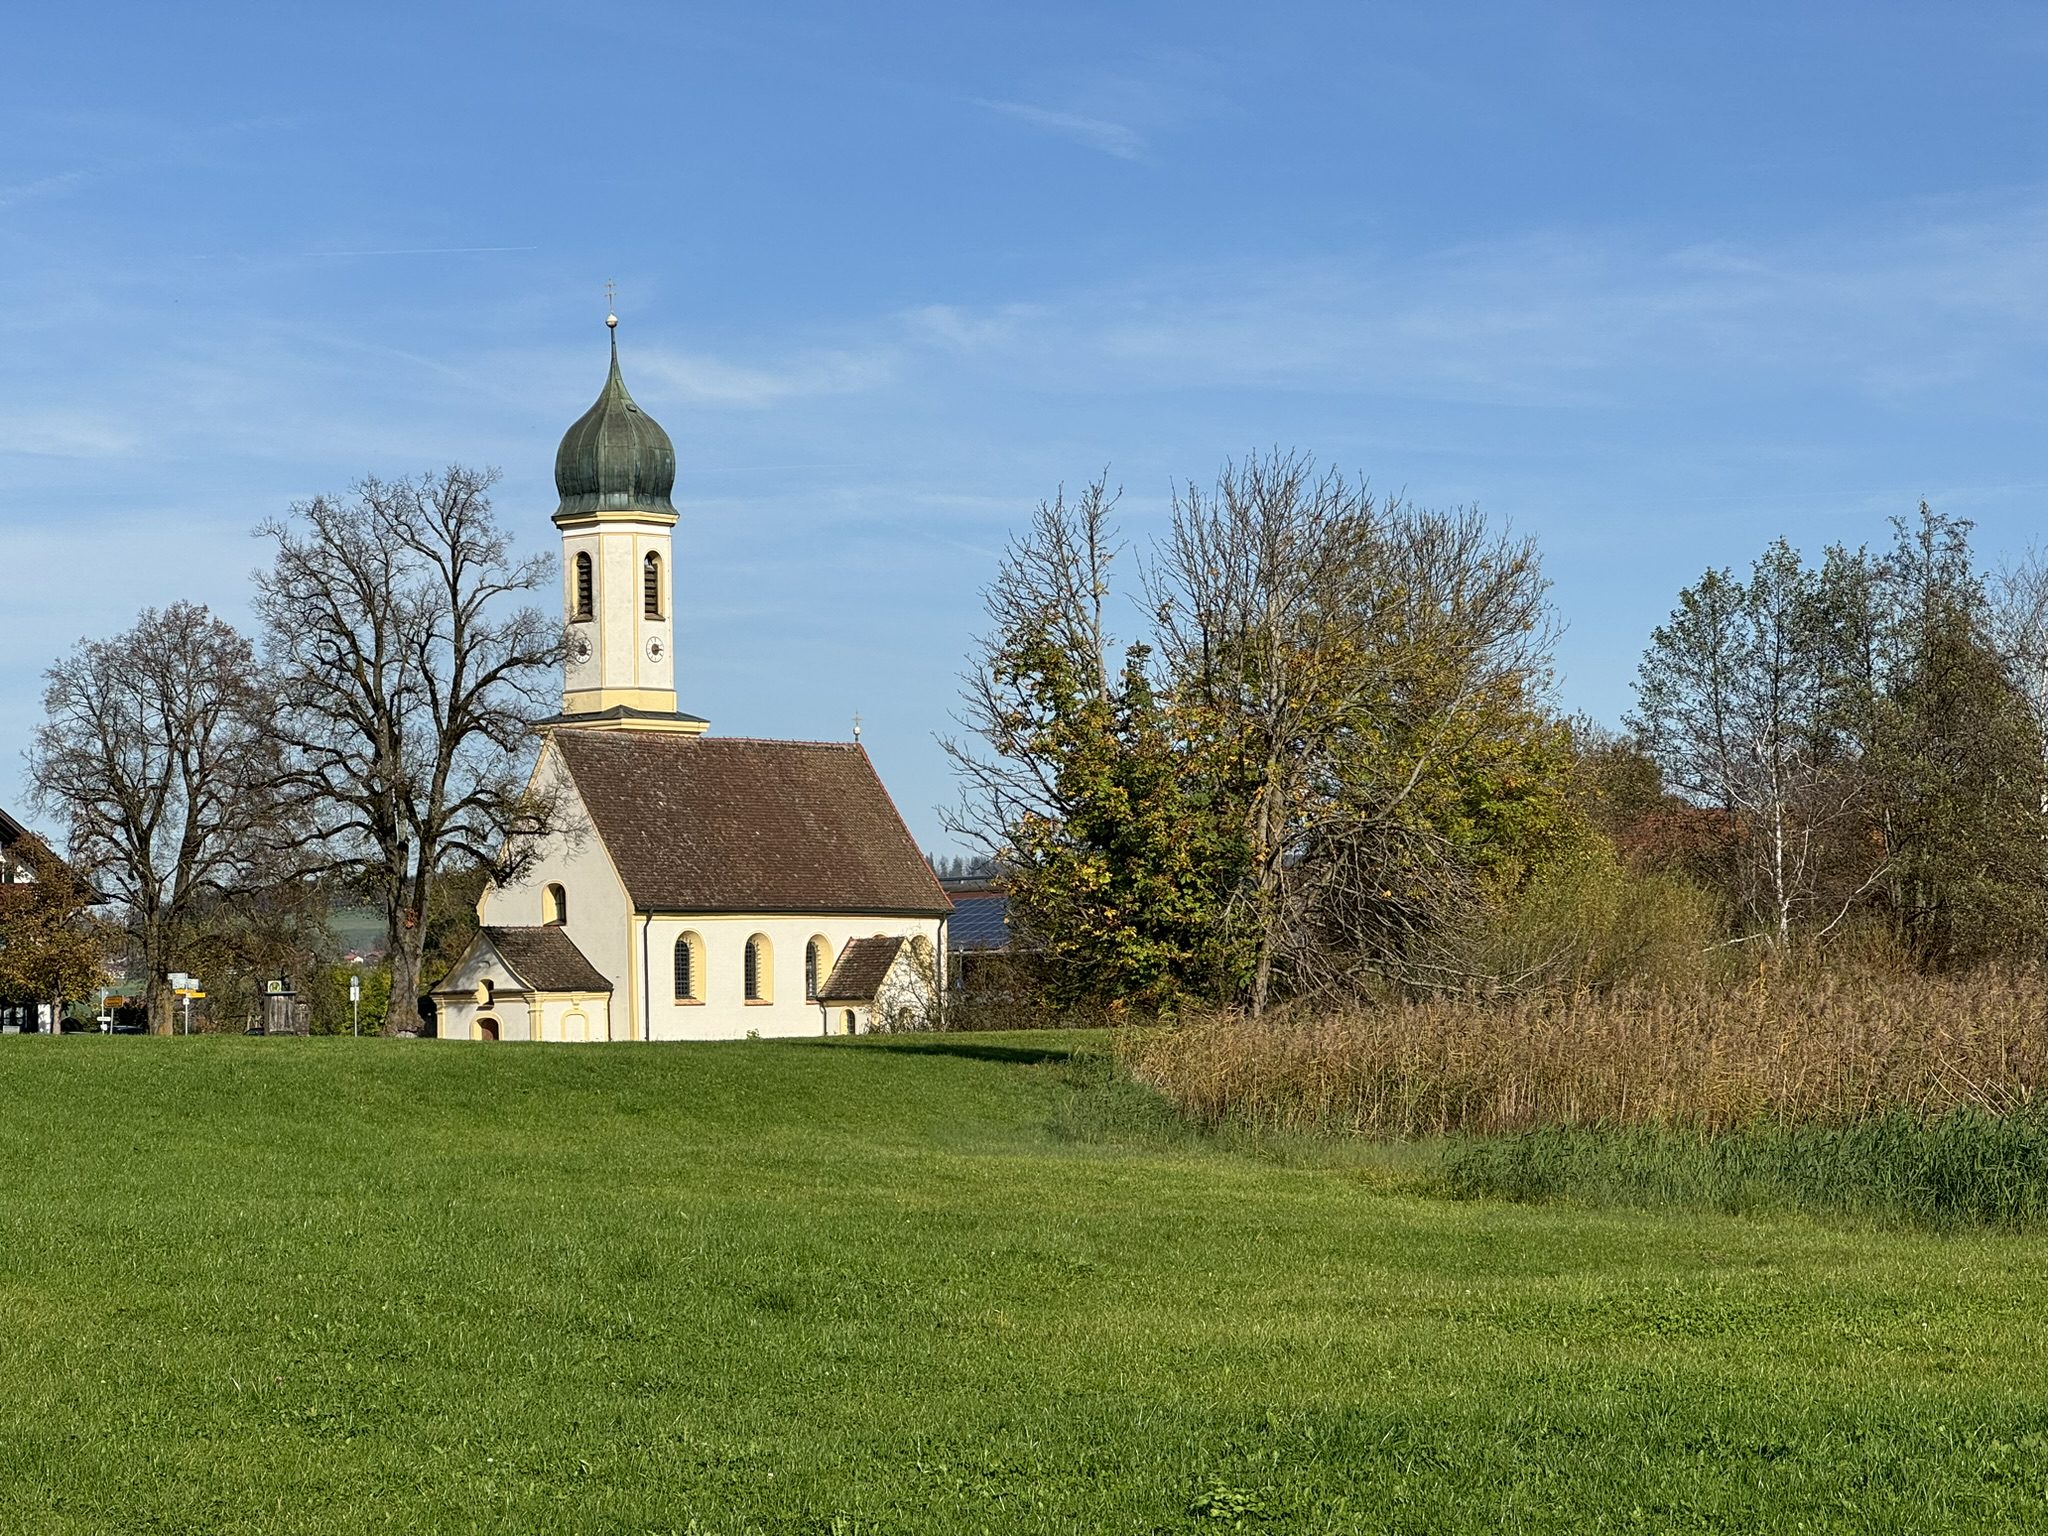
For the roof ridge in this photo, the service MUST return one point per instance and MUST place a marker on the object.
(706, 740)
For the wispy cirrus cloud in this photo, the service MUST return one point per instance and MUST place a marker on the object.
(43, 186)
(1938, 299)
(64, 435)
(1099, 133)
(165, 146)
(704, 379)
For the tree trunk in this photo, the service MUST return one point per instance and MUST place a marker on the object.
(403, 1010)
(156, 1002)
(1271, 853)
(407, 949)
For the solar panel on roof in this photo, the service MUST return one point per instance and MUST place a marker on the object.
(979, 922)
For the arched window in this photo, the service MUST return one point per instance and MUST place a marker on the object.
(554, 906)
(487, 992)
(586, 588)
(817, 966)
(847, 1021)
(760, 970)
(689, 969)
(650, 586)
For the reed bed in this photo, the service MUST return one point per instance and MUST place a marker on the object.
(1827, 1050)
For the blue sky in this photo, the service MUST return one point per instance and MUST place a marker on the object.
(1654, 283)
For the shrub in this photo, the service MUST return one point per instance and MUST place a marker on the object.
(1589, 922)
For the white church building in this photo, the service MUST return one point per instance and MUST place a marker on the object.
(699, 887)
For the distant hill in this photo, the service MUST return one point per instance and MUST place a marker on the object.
(358, 930)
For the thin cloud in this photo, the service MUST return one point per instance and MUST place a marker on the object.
(1589, 318)
(42, 186)
(713, 381)
(174, 147)
(1111, 138)
(57, 435)
(428, 250)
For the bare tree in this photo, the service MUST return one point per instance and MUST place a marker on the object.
(408, 678)
(2018, 621)
(1344, 650)
(155, 753)
(1051, 587)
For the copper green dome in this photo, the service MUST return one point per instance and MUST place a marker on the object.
(616, 458)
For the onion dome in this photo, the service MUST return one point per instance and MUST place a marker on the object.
(616, 458)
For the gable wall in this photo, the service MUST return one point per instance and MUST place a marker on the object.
(600, 918)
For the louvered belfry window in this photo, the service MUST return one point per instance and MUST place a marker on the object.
(650, 583)
(586, 595)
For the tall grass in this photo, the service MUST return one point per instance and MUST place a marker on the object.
(1824, 1049)
(1967, 1168)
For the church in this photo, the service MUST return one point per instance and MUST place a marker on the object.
(696, 887)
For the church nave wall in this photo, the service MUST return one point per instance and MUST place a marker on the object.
(724, 1012)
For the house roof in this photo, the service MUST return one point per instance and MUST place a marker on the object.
(727, 824)
(545, 960)
(863, 967)
(981, 920)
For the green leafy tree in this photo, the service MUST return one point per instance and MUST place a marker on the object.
(52, 949)
(1124, 893)
(1330, 763)
(1955, 741)
(1099, 804)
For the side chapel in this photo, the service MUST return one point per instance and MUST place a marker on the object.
(700, 887)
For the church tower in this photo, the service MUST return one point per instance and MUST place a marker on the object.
(614, 473)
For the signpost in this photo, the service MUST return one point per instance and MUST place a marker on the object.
(355, 1005)
(187, 988)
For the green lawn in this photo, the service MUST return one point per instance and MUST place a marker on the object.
(330, 1285)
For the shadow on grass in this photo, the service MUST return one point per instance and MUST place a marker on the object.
(978, 1050)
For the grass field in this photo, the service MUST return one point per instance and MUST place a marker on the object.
(920, 1286)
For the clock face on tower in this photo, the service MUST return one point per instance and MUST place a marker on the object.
(655, 648)
(579, 647)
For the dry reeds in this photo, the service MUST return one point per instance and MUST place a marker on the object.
(1818, 1050)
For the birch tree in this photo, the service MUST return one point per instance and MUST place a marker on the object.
(1743, 700)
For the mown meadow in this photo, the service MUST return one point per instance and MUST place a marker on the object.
(930, 1284)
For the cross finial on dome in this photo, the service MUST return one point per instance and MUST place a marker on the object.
(611, 305)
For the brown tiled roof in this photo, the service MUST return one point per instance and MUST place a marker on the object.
(725, 824)
(546, 960)
(863, 966)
